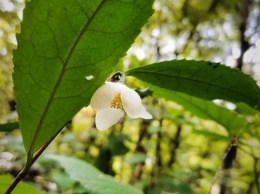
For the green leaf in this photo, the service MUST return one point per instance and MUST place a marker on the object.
(66, 50)
(92, 179)
(7, 127)
(204, 109)
(6, 180)
(201, 79)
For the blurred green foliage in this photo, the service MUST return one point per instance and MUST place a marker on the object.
(183, 148)
(9, 26)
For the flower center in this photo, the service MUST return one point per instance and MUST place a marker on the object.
(117, 102)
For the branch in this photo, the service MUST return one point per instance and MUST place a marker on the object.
(244, 45)
(174, 145)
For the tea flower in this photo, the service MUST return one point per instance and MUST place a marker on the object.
(110, 100)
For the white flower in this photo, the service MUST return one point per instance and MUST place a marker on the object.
(110, 100)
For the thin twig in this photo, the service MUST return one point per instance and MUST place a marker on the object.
(220, 166)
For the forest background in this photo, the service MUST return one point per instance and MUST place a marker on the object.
(184, 148)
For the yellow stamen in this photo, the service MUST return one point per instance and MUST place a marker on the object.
(117, 102)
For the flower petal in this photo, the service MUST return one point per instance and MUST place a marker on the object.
(108, 117)
(133, 105)
(104, 95)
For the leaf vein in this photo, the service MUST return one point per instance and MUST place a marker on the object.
(195, 80)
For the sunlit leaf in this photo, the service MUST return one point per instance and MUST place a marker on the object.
(92, 179)
(6, 180)
(204, 109)
(202, 79)
(66, 50)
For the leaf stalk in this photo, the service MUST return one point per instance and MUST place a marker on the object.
(30, 161)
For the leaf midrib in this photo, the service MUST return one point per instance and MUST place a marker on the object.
(65, 64)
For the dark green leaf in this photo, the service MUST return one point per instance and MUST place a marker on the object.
(116, 144)
(65, 52)
(202, 79)
(92, 179)
(7, 127)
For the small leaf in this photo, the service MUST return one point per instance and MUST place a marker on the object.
(7, 127)
(92, 179)
(201, 79)
(66, 50)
